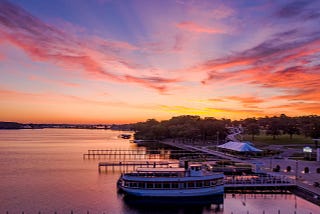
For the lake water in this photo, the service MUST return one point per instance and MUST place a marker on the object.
(43, 170)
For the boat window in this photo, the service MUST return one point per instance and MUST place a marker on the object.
(206, 183)
(166, 185)
(141, 185)
(199, 184)
(133, 184)
(213, 183)
(183, 185)
(219, 182)
(157, 185)
(150, 185)
(190, 184)
(175, 185)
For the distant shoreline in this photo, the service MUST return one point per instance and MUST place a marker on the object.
(16, 126)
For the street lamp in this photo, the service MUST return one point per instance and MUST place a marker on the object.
(296, 170)
(217, 138)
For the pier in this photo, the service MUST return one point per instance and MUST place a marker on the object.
(296, 186)
(134, 154)
(125, 166)
(258, 182)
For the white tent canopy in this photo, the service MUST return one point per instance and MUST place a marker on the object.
(239, 147)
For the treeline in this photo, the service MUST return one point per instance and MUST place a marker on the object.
(14, 125)
(11, 125)
(197, 128)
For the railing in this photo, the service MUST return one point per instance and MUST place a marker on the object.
(257, 180)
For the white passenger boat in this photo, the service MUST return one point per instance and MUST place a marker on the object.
(192, 181)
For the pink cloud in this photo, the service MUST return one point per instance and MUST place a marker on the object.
(194, 27)
(99, 58)
(157, 83)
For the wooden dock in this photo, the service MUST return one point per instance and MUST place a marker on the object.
(138, 154)
(125, 166)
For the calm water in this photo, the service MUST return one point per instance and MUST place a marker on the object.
(43, 170)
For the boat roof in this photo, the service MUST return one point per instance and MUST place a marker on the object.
(160, 170)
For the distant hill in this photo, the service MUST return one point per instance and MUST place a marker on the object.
(11, 125)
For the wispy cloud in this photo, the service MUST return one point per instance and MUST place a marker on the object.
(277, 62)
(157, 83)
(99, 58)
(293, 9)
(301, 9)
(247, 102)
(197, 28)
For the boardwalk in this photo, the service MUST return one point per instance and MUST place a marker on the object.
(139, 154)
(308, 189)
(132, 165)
(260, 182)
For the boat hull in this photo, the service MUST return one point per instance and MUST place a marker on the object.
(218, 190)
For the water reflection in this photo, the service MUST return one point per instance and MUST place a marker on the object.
(198, 205)
(43, 170)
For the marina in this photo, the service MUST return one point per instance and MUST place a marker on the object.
(65, 181)
(263, 182)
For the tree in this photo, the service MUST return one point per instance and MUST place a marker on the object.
(274, 127)
(315, 131)
(252, 129)
(288, 125)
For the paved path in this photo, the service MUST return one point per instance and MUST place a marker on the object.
(202, 149)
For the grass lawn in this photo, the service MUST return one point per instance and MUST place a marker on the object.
(263, 140)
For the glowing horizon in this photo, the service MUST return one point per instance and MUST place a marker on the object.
(111, 61)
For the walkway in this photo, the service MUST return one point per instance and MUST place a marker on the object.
(304, 181)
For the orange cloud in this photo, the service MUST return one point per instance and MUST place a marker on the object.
(246, 101)
(157, 83)
(295, 108)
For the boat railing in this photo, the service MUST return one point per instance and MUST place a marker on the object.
(145, 174)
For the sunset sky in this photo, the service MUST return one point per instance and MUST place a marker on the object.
(118, 61)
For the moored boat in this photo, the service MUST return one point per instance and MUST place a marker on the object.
(192, 181)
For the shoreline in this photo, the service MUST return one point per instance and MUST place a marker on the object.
(308, 192)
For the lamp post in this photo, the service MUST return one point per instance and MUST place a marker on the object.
(316, 142)
(296, 170)
(217, 138)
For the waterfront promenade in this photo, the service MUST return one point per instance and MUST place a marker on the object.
(303, 180)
